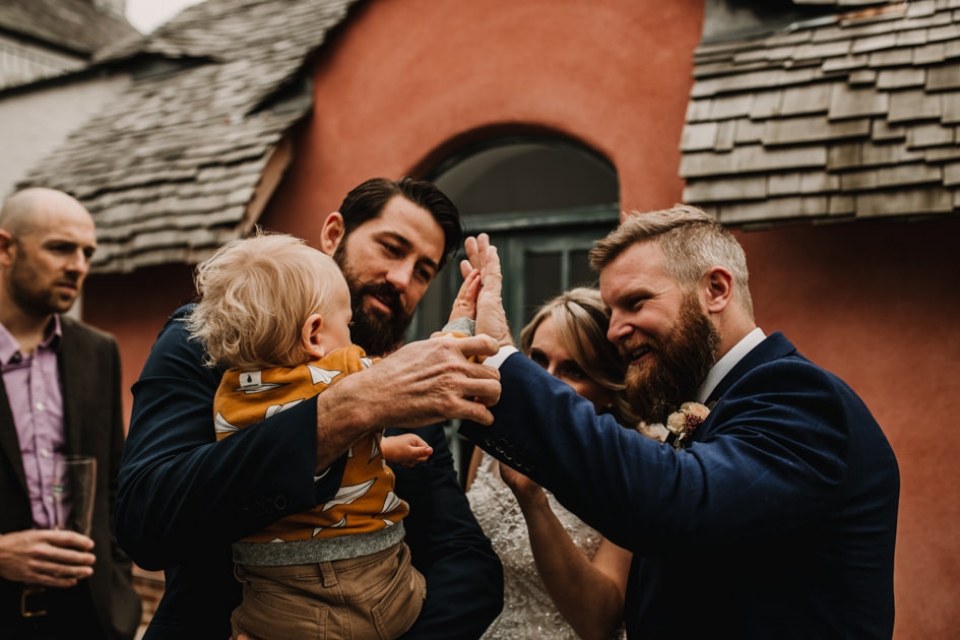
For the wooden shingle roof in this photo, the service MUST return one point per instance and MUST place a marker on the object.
(853, 115)
(74, 25)
(174, 167)
(43, 39)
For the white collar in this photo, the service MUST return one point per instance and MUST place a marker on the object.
(729, 360)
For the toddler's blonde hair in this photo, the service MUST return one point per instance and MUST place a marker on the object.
(256, 294)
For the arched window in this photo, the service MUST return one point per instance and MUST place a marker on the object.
(544, 202)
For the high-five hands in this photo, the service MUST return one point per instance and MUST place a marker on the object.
(491, 317)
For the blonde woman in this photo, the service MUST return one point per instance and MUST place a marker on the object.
(567, 581)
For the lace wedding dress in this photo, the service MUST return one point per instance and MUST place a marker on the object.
(528, 611)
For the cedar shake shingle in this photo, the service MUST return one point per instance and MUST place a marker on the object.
(857, 115)
(175, 167)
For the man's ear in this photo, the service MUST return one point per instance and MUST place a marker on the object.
(310, 336)
(717, 289)
(7, 247)
(331, 233)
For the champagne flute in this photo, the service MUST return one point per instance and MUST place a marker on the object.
(74, 485)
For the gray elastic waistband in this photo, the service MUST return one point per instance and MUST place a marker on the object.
(281, 554)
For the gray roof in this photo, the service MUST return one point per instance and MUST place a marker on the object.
(173, 168)
(76, 25)
(848, 116)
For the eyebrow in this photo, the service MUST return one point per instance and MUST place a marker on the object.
(409, 247)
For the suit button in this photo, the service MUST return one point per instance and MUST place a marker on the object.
(280, 503)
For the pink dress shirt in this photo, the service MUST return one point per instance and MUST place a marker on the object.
(32, 383)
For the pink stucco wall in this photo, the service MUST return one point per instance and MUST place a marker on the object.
(876, 303)
(410, 81)
(133, 307)
(407, 82)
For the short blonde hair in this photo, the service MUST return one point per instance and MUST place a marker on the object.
(256, 294)
(693, 242)
(581, 321)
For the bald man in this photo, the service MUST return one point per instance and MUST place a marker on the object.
(60, 395)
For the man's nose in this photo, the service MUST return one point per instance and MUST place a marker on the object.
(400, 277)
(619, 328)
(79, 263)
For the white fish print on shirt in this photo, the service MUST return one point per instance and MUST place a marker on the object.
(350, 494)
(274, 409)
(340, 524)
(221, 425)
(325, 376)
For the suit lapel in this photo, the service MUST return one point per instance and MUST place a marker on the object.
(9, 442)
(72, 359)
(773, 347)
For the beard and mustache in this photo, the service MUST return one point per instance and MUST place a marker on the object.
(676, 367)
(28, 292)
(377, 331)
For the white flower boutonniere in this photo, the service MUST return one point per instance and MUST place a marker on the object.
(680, 425)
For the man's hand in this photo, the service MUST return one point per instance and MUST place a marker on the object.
(46, 557)
(406, 449)
(491, 317)
(422, 383)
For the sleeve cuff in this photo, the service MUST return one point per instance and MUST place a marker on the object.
(466, 326)
(503, 354)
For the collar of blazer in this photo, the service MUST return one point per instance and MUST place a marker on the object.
(773, 347)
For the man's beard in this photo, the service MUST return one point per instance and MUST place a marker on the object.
(677, 365)
(32, 301)
(378, 332)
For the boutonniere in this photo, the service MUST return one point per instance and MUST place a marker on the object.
(680, 425)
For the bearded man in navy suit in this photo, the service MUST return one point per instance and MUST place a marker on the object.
(776, 517)
(183, 497)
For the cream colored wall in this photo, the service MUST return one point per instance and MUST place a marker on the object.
(33, 124)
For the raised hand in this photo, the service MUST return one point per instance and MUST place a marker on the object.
(491, 317)
(465, 304)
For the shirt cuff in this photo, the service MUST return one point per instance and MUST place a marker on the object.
(466, 326)
(503, 354)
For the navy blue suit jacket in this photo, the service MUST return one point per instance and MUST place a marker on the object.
(778, 521)
(184, 498)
